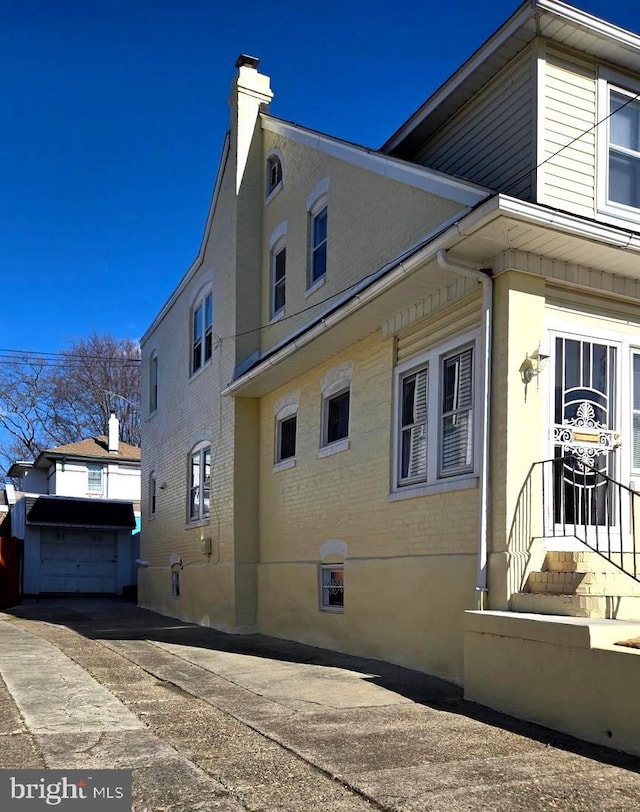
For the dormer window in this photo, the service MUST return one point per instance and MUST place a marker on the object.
(624, 149)
(618, 135)
(274, 174)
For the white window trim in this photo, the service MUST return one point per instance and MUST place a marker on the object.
(270, 194)
(325, 607)
(610, 211)
(199, 449)
(316, 202)
(96, 468)
(197, 301)
(279, 246)
(435, 482)
(332, 388)
(283, 414)
(635, 472)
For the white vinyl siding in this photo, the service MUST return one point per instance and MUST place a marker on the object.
(568, 180)
(491, 139)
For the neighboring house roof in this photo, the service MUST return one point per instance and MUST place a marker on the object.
(96, 448)
(74, 512)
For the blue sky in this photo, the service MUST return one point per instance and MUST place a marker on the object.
(112, 116)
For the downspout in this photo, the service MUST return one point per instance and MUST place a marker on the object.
(487, 320)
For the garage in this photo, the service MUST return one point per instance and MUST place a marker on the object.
(79, 561)
(77, 546)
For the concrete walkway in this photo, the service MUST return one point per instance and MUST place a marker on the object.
(209, 721)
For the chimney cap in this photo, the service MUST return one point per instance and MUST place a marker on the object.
(246, 61)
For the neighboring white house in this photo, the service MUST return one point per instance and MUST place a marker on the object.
(76, 507)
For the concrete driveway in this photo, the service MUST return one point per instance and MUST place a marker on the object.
(209, 721)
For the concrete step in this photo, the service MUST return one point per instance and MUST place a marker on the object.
(612, 583)
(587, 562)
(594, 606)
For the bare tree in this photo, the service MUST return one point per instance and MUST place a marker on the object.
(48, 402)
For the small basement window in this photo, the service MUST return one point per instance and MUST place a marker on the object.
(332, 587)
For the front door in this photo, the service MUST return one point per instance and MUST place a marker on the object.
(584, 438)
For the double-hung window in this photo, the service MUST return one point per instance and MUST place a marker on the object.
(286, 431)
(619, 146)
(318, 216)
(199, 483)
(278, 276)
(335, 422)
(318, 235)
(94, 478)
(435, 417)
(456, 414)
(202, 332)
(624, 148)
(413, 427)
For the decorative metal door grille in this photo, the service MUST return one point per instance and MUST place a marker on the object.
(584, 432)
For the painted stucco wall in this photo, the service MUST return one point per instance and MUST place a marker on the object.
(190, 411)
(371, 220)
(409, 569)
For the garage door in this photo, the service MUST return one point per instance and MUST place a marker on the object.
(77, 561)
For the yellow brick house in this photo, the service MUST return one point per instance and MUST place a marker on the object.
(395, 401)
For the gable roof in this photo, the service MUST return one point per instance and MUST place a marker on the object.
(96, 448)
(460, 190)
(549, 19)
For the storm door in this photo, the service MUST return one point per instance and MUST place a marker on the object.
(585, 436)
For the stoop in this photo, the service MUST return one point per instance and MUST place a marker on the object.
(579, 584)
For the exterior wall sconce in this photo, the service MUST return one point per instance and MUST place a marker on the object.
(533, 365)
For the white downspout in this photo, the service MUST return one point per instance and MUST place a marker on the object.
(487, 321)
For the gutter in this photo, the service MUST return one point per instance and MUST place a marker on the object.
(482, 276)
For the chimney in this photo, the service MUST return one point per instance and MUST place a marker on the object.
(114, 434)
(250, 93)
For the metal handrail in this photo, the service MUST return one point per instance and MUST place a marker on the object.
(579, 501)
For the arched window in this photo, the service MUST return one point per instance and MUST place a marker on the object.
(274, 172)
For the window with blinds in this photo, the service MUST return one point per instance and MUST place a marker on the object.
(413, 429)
(456, 453)
(435, 398)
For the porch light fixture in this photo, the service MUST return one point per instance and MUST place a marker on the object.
(533, 365)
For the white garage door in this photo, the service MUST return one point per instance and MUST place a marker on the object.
(77, 561)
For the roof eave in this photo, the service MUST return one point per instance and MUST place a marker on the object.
(532, 17)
